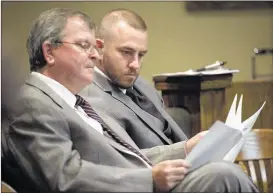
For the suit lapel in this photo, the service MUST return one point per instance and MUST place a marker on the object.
(116, 93)
(42, 86)
(119, 131)
(160, 109)
(107, 139)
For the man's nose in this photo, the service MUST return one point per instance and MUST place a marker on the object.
(95, 55)
(135, 63)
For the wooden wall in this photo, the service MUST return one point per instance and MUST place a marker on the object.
(254, 94)
(207, 100)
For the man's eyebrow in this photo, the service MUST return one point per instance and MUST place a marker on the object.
(131, 49)
(126, 48)
(83, 40)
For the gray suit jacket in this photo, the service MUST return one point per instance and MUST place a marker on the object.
(146, 130)
(54, 150)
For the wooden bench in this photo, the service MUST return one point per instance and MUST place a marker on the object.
(256, 158)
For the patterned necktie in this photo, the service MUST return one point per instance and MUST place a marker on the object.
(91, 113)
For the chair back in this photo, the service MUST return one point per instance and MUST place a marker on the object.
(256, 158)
(182, 118)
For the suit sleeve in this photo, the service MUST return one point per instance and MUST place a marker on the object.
(165, 152)
(40, 142)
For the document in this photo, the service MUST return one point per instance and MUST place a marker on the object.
(223, 140)
(211, 69)
(203, 73)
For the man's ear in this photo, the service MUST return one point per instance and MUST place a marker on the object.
(100, 46)
(99, 43)
(47, 52)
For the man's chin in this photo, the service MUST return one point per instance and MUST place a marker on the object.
(126, 82)
(125, 85)
(88, 79)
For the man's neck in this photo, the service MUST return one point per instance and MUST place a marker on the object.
(60, 80)
(104, 75)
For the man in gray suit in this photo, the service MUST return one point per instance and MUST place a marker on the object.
(53, 141)
(117, 88)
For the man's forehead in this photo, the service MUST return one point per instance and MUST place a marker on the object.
(76, 21)
(122, 30)
(119, 26)
(77, 27)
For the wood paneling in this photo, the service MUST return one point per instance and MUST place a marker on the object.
(202, 96)
(254, 94)
(208, 98)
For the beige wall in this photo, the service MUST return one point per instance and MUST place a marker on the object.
(178, 40)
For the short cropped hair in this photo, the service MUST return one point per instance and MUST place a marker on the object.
(128, 16)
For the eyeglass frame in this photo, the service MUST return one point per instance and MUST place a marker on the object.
(89, 48)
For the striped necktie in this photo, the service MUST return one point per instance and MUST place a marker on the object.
(91, 113)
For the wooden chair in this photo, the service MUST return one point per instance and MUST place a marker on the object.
(6, 188)
(256, 158)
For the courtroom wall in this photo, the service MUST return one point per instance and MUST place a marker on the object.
(178, 40)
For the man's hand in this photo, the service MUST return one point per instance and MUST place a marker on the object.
(194, 140)
(169, 173)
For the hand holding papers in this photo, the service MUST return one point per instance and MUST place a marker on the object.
(224, 140)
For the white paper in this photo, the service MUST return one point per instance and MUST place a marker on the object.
(247, 125)
(219, 71)
(234, 120)
(233, 153)
(211, 148)
(232, 113)
(223, 140)
(202, 73)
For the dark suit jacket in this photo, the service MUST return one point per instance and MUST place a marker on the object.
(53, 150)
(146, 130)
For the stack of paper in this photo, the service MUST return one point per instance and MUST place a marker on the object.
(234, 120)
(224, 140)
(191, 72)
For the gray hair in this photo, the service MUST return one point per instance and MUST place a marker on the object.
(49, 27)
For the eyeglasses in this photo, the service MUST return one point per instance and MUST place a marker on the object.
(86, 47)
